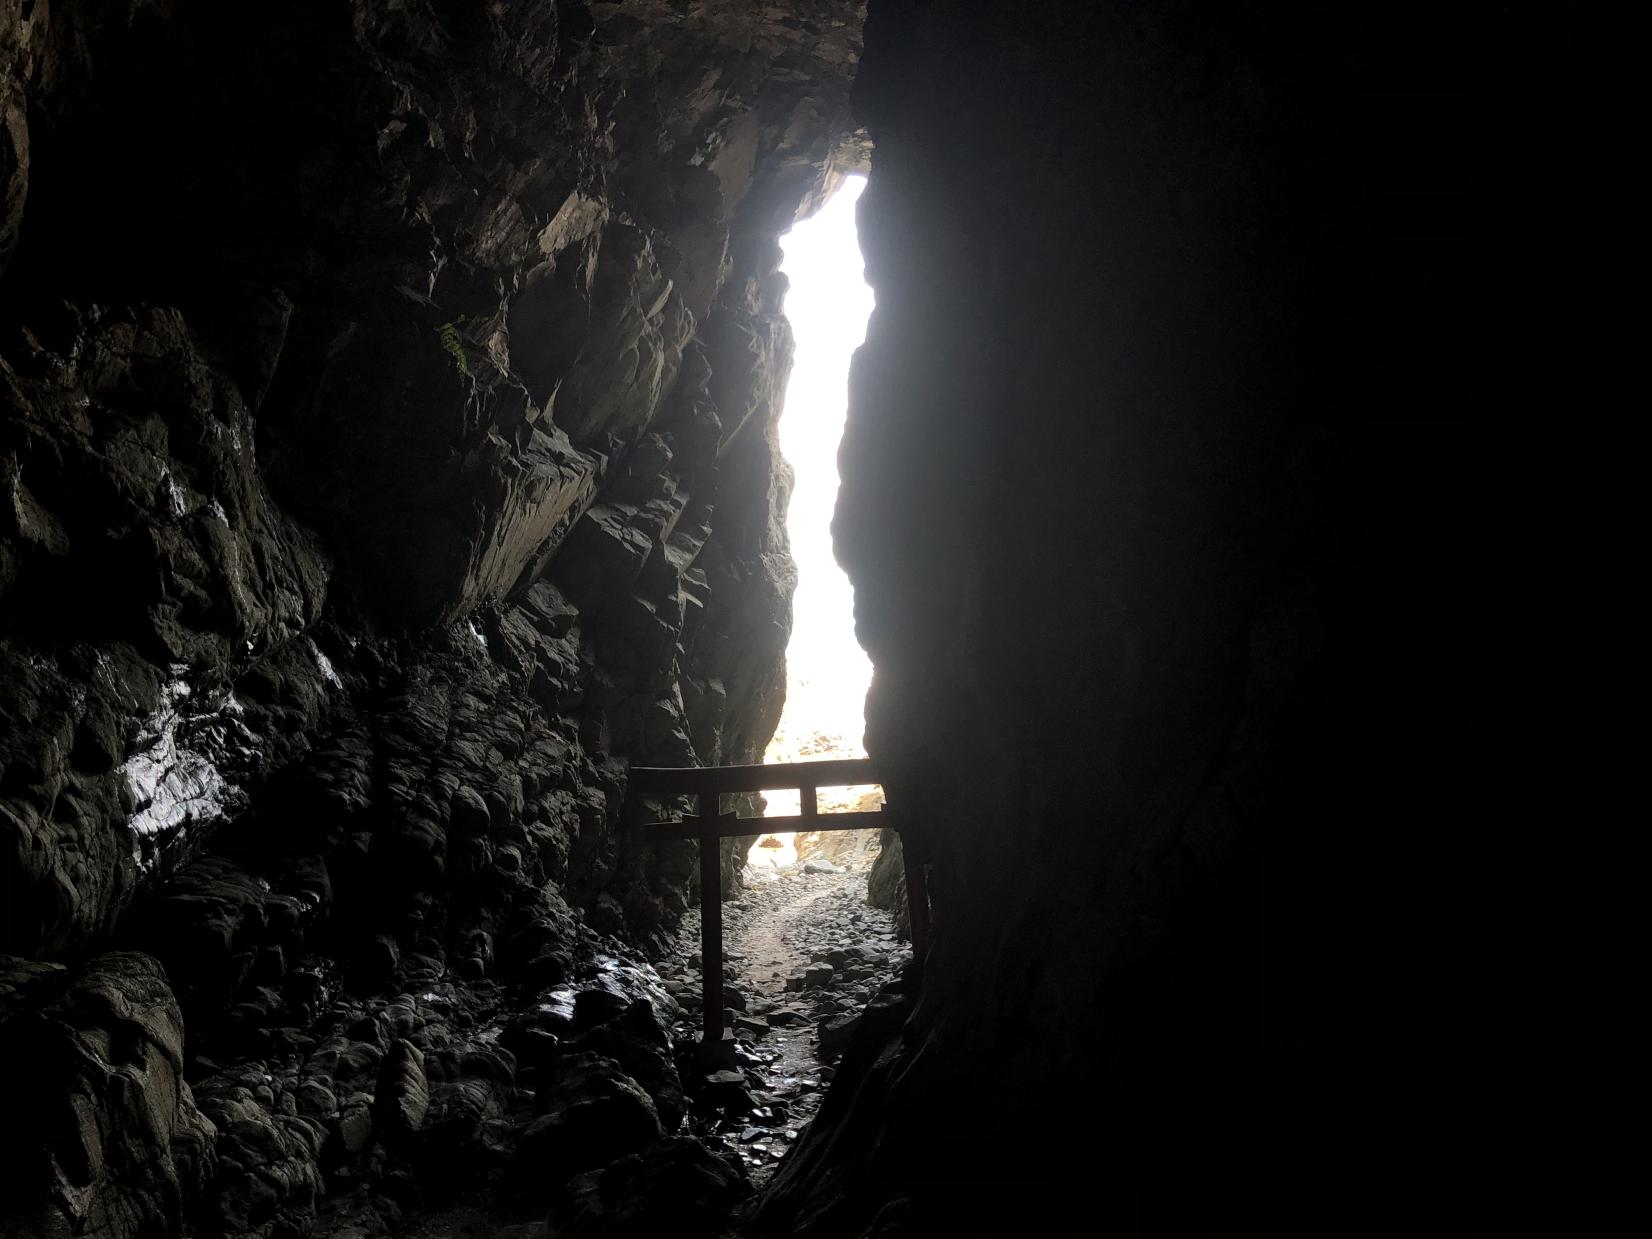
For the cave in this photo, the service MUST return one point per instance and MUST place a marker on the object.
(392, 464)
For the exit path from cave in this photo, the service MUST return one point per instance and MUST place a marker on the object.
(803, 956)
(802, 951)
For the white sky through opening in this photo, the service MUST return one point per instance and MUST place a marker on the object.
(827, 673)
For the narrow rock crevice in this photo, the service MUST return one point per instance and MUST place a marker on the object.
(389, 463)
(407, 470)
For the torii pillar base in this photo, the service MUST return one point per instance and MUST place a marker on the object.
(716, 1055)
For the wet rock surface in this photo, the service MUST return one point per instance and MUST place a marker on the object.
(327, 400)
(444, 1104)
(803, 956)
(388, 459)
(363, 516)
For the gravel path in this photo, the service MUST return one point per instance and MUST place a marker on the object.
(803, 955)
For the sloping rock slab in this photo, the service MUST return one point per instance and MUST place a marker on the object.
(593, 1114)
(677, 1187)
(103, 1136)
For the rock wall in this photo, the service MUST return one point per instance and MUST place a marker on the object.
(1154, 504)
(389, 459)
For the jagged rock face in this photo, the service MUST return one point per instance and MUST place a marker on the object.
(478, 288)
(1137, 569)
(102, 1136)
(886, 883)
(147, 562)
(390, 457)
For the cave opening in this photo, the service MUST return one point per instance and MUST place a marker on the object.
(392, 472)
(827, 673)
(804, 947)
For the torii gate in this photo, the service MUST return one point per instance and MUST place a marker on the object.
(709, 783)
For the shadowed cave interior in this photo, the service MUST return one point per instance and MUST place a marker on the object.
(391, 463)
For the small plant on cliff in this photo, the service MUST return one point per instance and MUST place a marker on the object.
(454, 346)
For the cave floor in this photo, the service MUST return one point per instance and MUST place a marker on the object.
(804, 953)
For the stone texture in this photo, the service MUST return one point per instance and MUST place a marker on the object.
(596, 1114)
(401, 1098)
(493, 304)
(1136, 535)
(1099, 708)
(365, 508)
(676, 1185)
(886, 883)
(389, 458)
(146, 566)
(102, 1134)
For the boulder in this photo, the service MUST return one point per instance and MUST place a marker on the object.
(101, 1134)
(676, 1187)
(591, 1113)
(402, 1097)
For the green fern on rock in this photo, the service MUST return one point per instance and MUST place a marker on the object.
(454, 345)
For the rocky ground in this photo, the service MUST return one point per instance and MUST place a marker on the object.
(803, 955)
(461, 1109)
(360, 529)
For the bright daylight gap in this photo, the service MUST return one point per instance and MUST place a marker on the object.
(827, 673)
